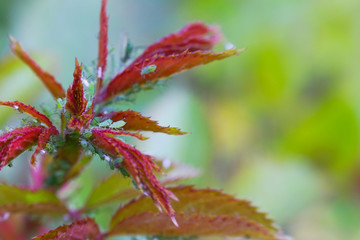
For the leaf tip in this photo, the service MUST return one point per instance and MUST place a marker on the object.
(173, 219)
(12, 39)
(14, 44)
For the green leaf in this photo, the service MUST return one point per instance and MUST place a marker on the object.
(105, 123)
(117, 124)
(116, 188)
(15, 199)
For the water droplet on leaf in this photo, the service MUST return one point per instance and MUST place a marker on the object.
(4, 216)
(166, 163)
(107, 158)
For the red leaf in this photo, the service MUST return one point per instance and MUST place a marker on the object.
(18, 143)
(103, 40)
(81, 229)
(135, 121)
(21, 227)
(139, 166)
(158, 224)
(83, 121)
(202, 212)
(10, 135)
(194, 36)
(166, 65)
(75, 99)
(120, 132)
(43, 139)
(49, 81)
(205, 201)
(29, 110)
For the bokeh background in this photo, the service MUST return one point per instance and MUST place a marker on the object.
(278, 125)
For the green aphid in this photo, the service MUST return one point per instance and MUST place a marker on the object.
(105, 123)
(87, 134)
(148, 69)
(60, 103)
(117, 124)
(95, 121)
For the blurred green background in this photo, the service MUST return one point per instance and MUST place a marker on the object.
(278, 125)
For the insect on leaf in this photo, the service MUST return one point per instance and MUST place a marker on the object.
(166, 65)
(135, 121)
(148, 69)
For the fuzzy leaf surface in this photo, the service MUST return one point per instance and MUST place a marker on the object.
(192, 224)
(194, 36)
(140, 167)
(29, 110)
(81, 229)
(203, 201)
(17, 141)
(14, 199)
(135, 121)
(119, 133)
(103, 40)
(75, 99)
(42, 140)
(166, 65)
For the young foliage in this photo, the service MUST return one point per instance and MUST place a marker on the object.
(17, 141)
(82, 127)
(75, 99)
(166, 65)
(103, 40)
(134, 121)
(21, 107)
